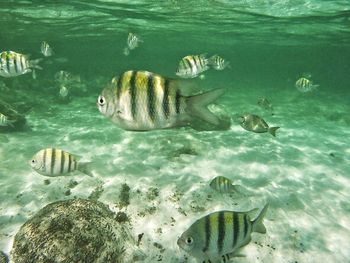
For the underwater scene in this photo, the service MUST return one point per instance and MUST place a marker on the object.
(174, 131)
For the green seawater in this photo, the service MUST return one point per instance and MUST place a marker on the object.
(303, 172)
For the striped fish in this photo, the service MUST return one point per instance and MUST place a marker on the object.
(218, 63)
(4, 121)
(305, 85)
(254, 123)
(191, 66)
(46, 50)
(224, 259)
(132, 43)
(13, 64)
(223, 185)
(141, 100)
(55, 162)
(265, 104)
(220, 233)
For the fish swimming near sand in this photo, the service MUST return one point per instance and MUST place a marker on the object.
(254, 123)
(142, 100)
(223, 185)
(266, 104)
(55, 162)
(220, 233)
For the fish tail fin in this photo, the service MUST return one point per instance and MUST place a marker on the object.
(197, 105)
(273, 130)
(84, 168)
(257, 224)
(35, 63)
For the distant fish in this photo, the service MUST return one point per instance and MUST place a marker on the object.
(63, 91)
(13, 64)
(132, 43)
(218, 63)
(223, 185)
(46, 50)
(265, 104)
(142, 100)
(54, 162)
(254, 123)
(4, 121)
(64, 77)
(191, 66)
(305, 85)
(220, 233)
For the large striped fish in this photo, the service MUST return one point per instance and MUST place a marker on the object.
(220, 233)
(55, 162)
(141, 100)
(13, 64)
(191, 66)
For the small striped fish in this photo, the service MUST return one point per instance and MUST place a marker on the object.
(191, 66)
(55, 162)
(220, 233)
(254, 123)
(265, 104)
(305, 85)
(4, 121)
(141, 100)
(218, 63)
(13, 64)
(223, 185)
(132, 43)
(46, 50)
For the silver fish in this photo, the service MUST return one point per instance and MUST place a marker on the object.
(55, 162)
(141, 100)
(63, 91)
(4, 121)
(305, 85)
(218, 63)
(46, 50)
(220, 233)
(254, 123)
(191, 66)
(132, 42)
(223, 185)
(13, 64)
(64, 77)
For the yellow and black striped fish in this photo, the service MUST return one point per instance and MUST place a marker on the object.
(141, 100)
(220, 233)
(305, 85)
(13, 64)
(55, 162)
(191, 66)
(223, 185)
(218, 63)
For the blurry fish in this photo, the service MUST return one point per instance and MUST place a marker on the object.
(265, 104)
(63, 91)
(305, 85)
(223, 185)
(141, 100)
(46, 50)
(220, 233)
(13, 64)
(218, 62)
(132, 43)
(254, 123)
(64, 77)
(55, 162)
(4, 121)
(191, 66)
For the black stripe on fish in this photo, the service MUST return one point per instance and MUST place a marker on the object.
(207, 233)
(177, 101)
(15, 64)
(119, 86)
(69, 163)
(133, 93)
(62, 162)
(235, 229)
(221, 229)
(165, 104)
(44, 159)
(8, 63)
(245, 229)
(151, 98)
(188, 63)
(53, 155)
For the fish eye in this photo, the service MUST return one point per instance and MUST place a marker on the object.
(189, 241)
(33, 161)
(101, 100)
